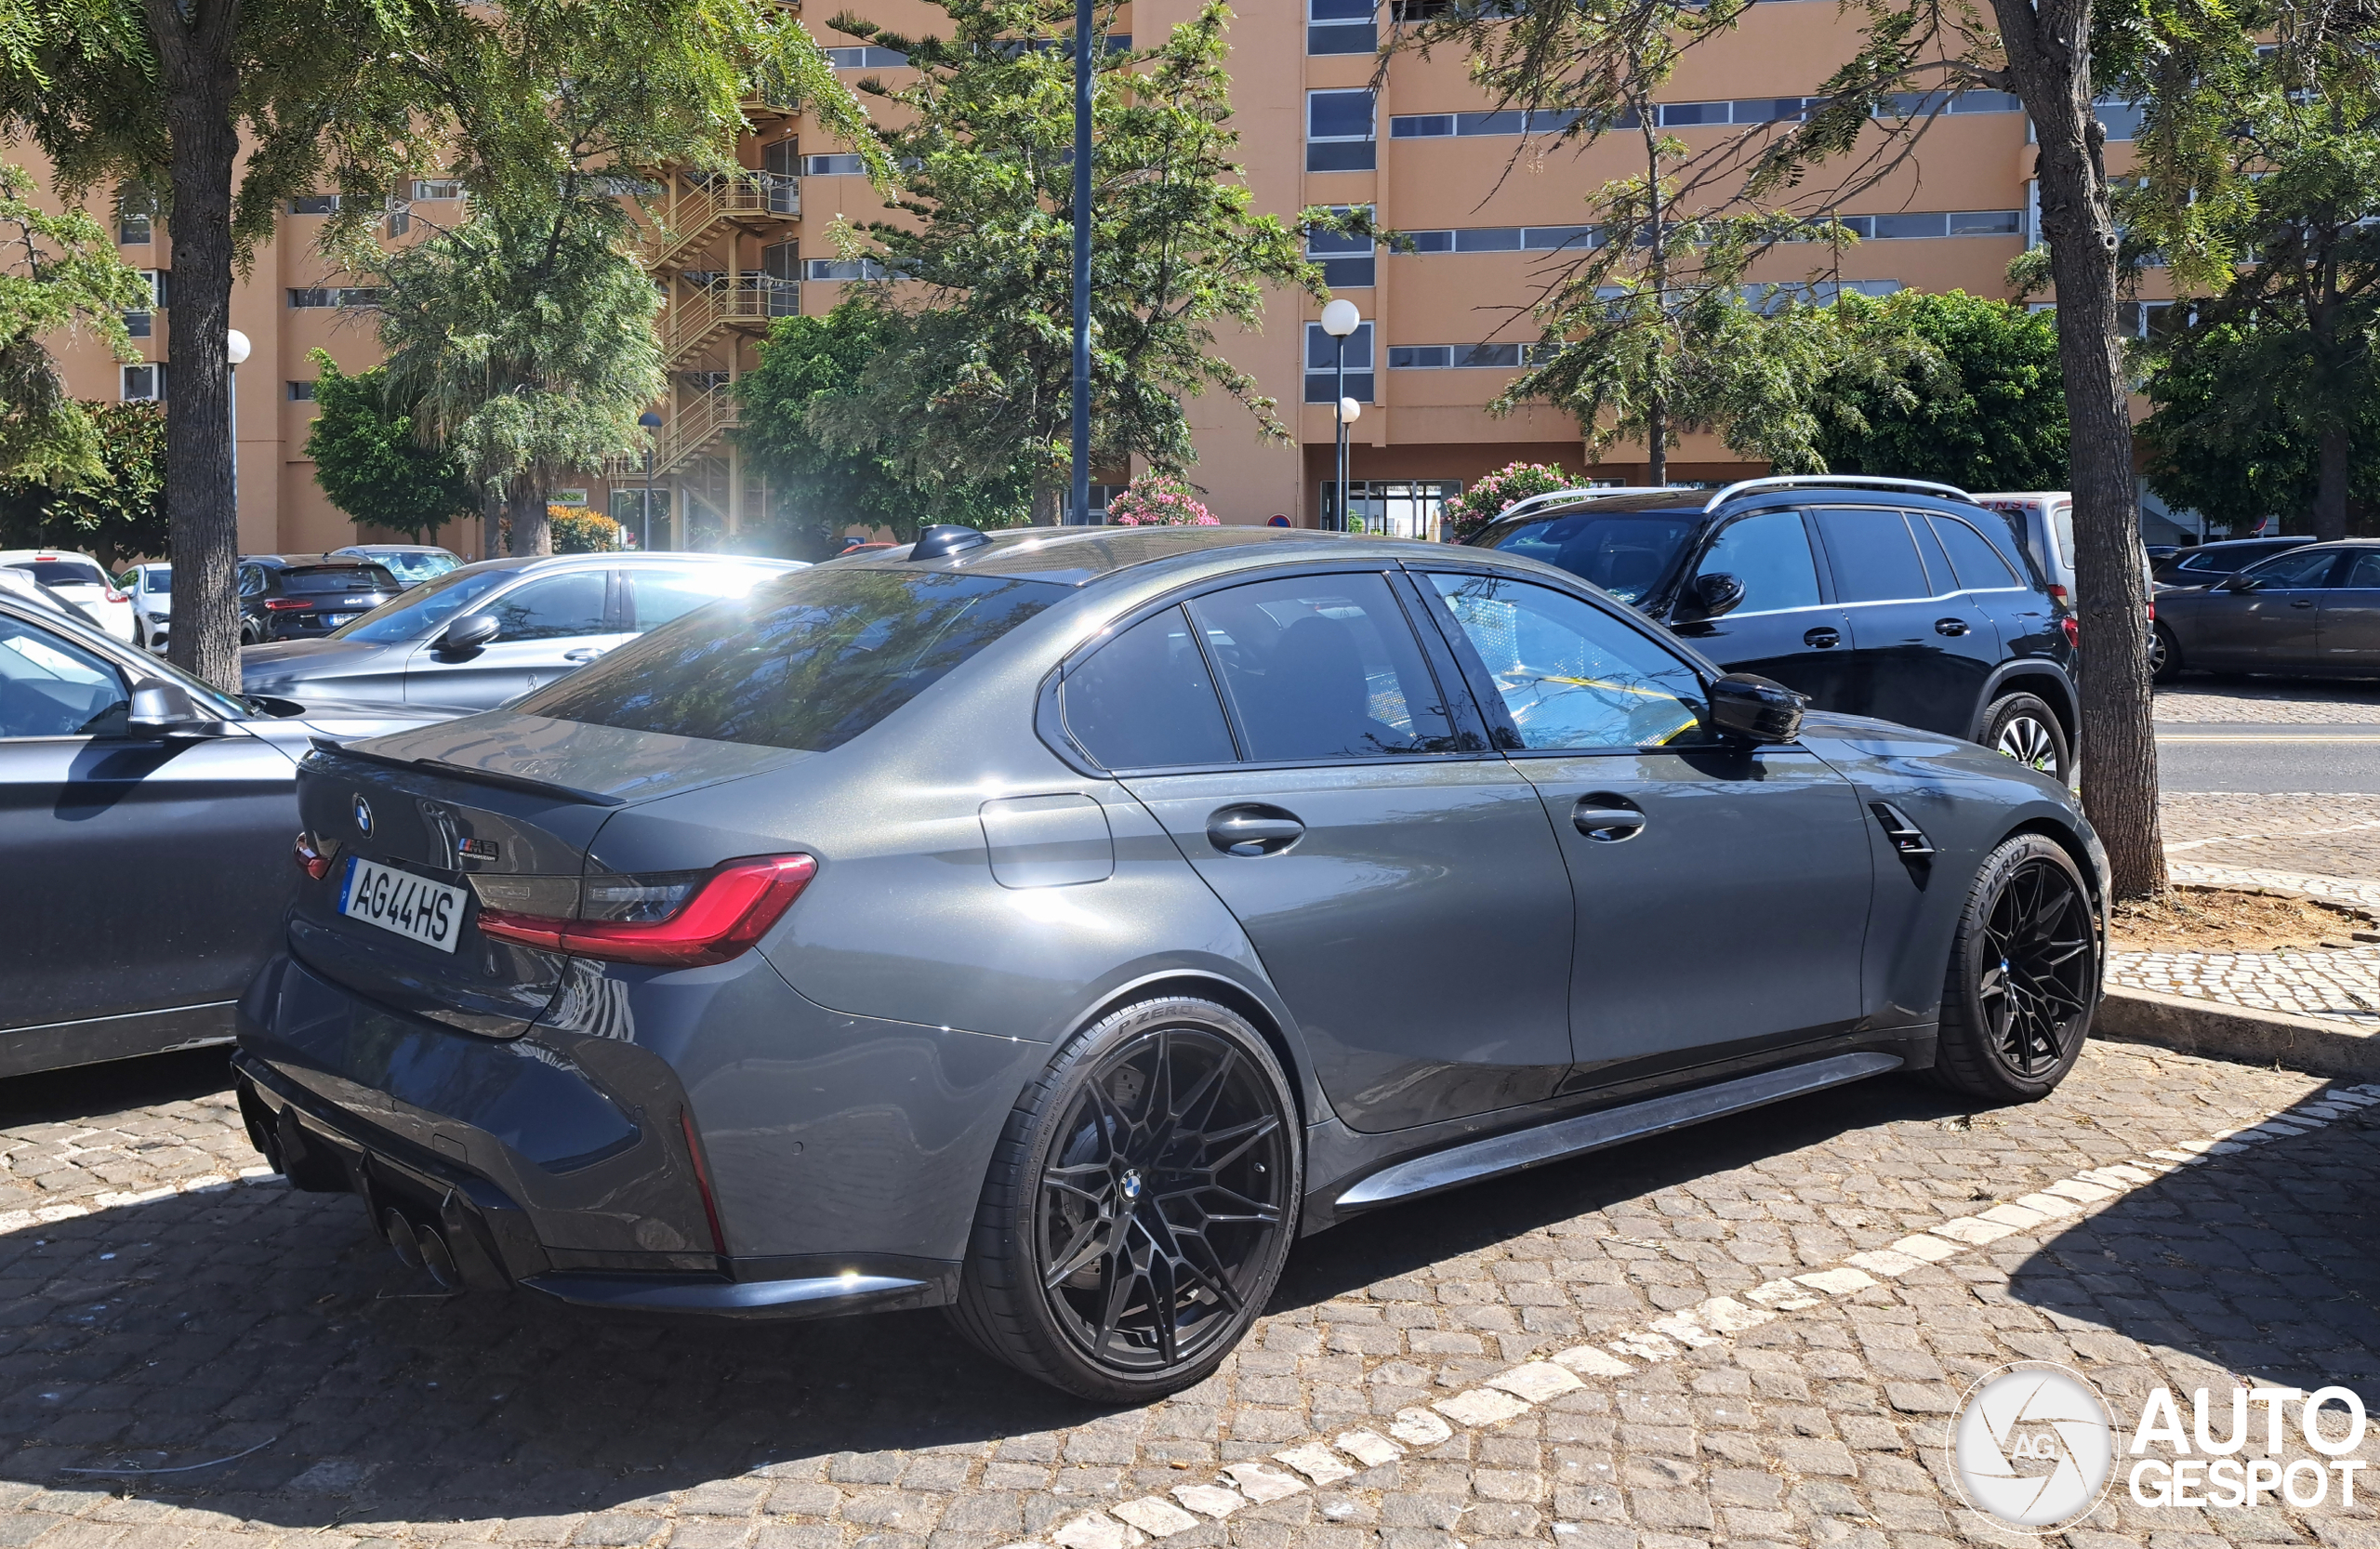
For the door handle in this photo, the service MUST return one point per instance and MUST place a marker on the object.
(1602, 819)
(1252, 830)
(1824, 639)
(1949, 626)
(584, 653)
(2302, 603)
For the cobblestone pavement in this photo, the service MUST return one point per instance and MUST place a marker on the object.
(2278, 702)
(313, 1395)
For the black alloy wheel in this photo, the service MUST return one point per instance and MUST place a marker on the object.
(2024, 975)
(1140, 1206)
(2023, 727)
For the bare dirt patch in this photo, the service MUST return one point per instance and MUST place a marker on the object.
(2236, 919)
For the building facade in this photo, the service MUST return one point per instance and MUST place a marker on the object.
(1493, 212)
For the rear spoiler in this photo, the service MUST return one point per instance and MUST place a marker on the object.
(529, 783)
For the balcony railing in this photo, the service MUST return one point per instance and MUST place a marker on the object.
(701, 418)
(701, 310)
(690, 206)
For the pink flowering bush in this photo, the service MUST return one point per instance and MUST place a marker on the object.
(1485, 500)
(1156, 499)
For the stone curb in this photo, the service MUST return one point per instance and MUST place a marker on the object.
(2245, 1034)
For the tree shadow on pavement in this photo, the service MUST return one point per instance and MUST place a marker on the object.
(273, 1329)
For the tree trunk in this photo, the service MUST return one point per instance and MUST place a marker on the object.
(2330, 485)
(1045, 501)
(202, 512)
(1657, 435)
(532, 531)
(490, 525)
(2050, 70)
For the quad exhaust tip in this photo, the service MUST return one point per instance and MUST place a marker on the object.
(421, 1248)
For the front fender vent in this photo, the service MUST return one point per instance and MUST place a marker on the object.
(1906, 836)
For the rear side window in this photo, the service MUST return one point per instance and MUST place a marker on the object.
(2203, 559)
(1979, 566)
(306, 583)
(1873, 556)
(1144, 700)
(1323, 666)
(810, 661)
(2298, 567)
(64, 572)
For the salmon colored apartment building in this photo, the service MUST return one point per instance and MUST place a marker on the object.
(1491, 210)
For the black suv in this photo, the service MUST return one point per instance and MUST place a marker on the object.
(1880, 597)
(300, 596)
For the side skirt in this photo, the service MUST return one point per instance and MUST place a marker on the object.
(1517, 1149)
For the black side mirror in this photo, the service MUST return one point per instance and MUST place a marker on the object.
(469, 632)
(160, 709)
(1713, 595)
(1751, 708)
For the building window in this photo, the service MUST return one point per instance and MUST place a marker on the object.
(1348, 261)
(2122, 120)
(314, 204)
(301, 392)
(1922, 223)
(833, 167)
(844, 269)
(136, 215)
(1341, 27)
(866, 59)
(1321, 365)
(142, 323)
(1441, 357)
(1393, 507)
(1339, 131)
(400, 219)
(145, 383)
(335, 296)
(1100, 497)
(425, 189)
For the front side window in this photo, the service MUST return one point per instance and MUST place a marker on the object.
(2299, 568)
(1144, 700)
(1874, 558)
(1323, 668)
(807, 661)
(425, 610)
(556, 608)
(1571, 676)
(1770, 554)
(51, 687)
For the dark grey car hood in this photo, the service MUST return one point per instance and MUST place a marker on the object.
(307, 660)
(603, 761)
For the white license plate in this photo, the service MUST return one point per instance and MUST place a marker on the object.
(429, 912)
(335, 619)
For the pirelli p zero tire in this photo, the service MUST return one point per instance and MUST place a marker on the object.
(2023, 977)
(1140, 1205)
(2025, 729)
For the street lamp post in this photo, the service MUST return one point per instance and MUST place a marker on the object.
(1340, 319)
(235, 350)
(1079, 496)
(651, 423)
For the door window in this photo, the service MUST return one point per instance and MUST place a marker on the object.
(2299, 568)
(1770, 554)
(659, 596)
(1323, 666)
(251, 580)
(1872, 555)
(1144, 700)
(554, 607)
(50, 687)
(1572, 675)
(1979, 566)
(2365, 571)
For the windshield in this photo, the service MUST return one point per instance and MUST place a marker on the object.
(810, 661)
(157, 580)
(425, 609)
(64, 572)
(413, 569)
(1627, 553)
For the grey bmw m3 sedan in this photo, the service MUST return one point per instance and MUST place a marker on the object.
(1056, 926)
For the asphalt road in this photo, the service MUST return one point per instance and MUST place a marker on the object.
(2235, 756)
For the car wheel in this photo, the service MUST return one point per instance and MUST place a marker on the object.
(2164, 656)
(2024, 975)
(2025, 729)
(1140, 1206)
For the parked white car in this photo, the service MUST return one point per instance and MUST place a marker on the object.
(151, 587)
(79, 579)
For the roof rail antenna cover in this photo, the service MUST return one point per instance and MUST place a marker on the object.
(948, 538)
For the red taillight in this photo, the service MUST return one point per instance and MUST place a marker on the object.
(2073, 630)
(285, 605)
(115, 596)
(734, 909)
(702, 1182)
(2058, 591)
(307, 853)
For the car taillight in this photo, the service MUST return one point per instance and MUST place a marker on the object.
(115, 596)
(2073, 630)
(312, 857)
(285, 605)
(674, 919)
(2058, 591)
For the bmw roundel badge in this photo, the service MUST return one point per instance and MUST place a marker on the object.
(363, 817)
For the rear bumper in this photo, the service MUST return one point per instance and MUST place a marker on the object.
(500, 1148)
